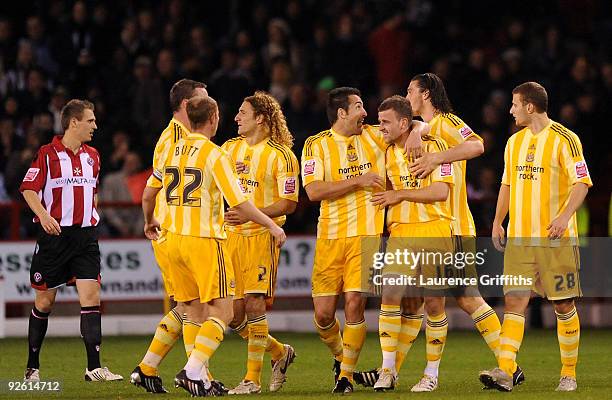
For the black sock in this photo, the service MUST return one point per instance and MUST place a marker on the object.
(37, 329)
(91, 331)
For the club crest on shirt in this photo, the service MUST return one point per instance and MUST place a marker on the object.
(530, 157)
(351, 155)
(31, 174)
(246, 169)
(581, 170)
(290, 185)
(309, 167)
(465, 132)
(90, 161)
(446, 169)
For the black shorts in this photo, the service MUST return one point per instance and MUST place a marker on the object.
(58, 260)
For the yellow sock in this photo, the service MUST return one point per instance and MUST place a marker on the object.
(330, 335)
(258, 339)
(243, 329)
(435, 332)
(209, 337)
(190, 331)
(568, 333)
(411, 326)
(352, 342)
(275, 348)
(488, 326)
(510, 340)
(389, 326)
(167, 332)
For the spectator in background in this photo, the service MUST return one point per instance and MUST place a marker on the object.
(7, 45)
(148, 101)
(167, 71)
(18, 161)
(35, 97)
(16, 77)
(280, 80)
(389, 46)
(41, 45)
(122, 221)
(300, 118)
(59, 98)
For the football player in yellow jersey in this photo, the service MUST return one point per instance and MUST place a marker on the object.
(428, 100)
(268, 171)
(545, 181)
(170, 327)
(419, 218)
(197, 177)
(341, 167)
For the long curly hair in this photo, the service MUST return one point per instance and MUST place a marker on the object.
(265, 105)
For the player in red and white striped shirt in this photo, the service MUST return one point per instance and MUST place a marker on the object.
(61, 189)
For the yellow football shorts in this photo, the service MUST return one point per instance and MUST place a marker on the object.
(549, 271)
(432, 242)
(161, 256)
(201, 268)
(343, 265)
(255, 262)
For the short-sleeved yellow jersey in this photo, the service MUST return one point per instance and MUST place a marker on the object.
(173, 132)
(271, 173)
(454, 131)
(541, 170)
(196, 177)
(331, 157)
(407, 212)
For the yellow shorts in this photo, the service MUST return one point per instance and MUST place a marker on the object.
(343, 265)
(549, 271)
(255, 261)
(161, 256)
(201, 268)
(432, 241)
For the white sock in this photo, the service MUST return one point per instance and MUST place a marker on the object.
(432, 368)
(389, 360)
(193, 368)
(204, 377)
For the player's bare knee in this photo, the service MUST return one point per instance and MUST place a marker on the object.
(354, 309)
(434, 305)
(469, 304)
(516, 302)
(179, 308)
(255, 305)
(44, 303)
(324, 317)
(563, 306)
(412, 305)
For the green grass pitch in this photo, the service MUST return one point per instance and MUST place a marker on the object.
(311, 377)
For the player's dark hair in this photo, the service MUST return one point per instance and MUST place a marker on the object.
(534, 93)
(437, 93)
(74, 109)
(200, 110)
(339, 98)
(399, 104)
(183, 90)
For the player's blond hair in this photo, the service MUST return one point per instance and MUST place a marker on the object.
(274, 120)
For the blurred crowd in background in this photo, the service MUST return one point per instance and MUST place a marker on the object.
(125, 55)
